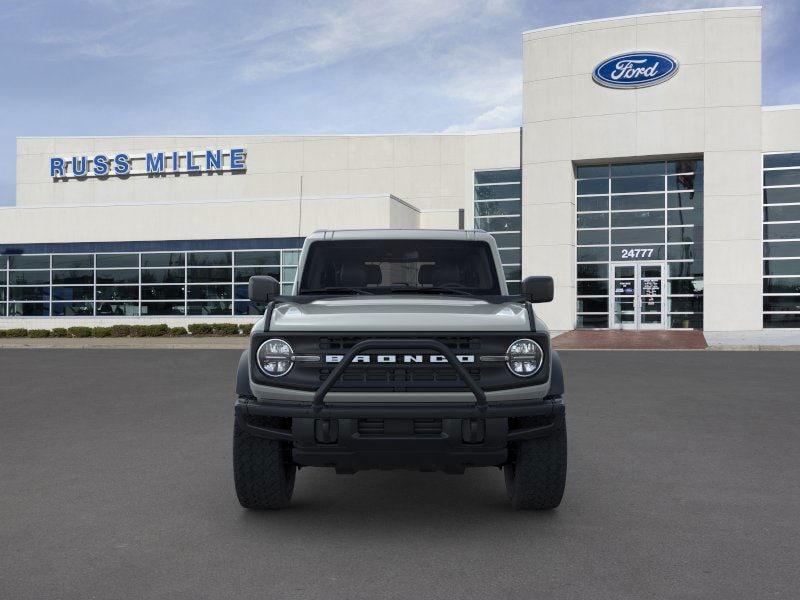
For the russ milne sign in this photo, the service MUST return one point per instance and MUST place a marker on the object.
(635, 70)
(152, 163)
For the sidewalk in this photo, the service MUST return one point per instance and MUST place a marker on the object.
(184, 343)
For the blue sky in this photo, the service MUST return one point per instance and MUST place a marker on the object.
(152, 67)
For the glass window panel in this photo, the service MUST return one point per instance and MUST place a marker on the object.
(587, 171)
(507, 240)
(592, 271)
(684, 199)
(29, 261)
(693, 304)
(245, 273)
(2, 277)
(788, 177)
(503, 207)
(511, 257)
(648, 168)
(595, 203)
(209, 292)
(209, 308)
(257, 257)
(592, 186)
(513, 272)
(637, 219)
(679, 252)
(286, 289)
(209, 275)
(288, 274)
(117, 309)
(637, 202)
(2, 294)
(597, 305)
(240, 292)
(73, 261)
(782, 285)
(73, 277)
(162, 308)
(513, 287)
(593, 220)
(782, 231)
(781, 249)
(117, 276)
(682, 182)
(637, 236)
(590, 254)
(782, 303)
(3, 307)
(501, 176)
(787, 320)
(680, 234)
(164, 259)
(686, 321)
(592, 237)
(789, 159)
(782, 267)
(117, 292)
(28, 309)
(782, 213)
(782, 195)
(29, 277)
(162, 292)
(249, 308)
(593, 321)
(637, 184)
(681, 269)
(114, 261)
(493, 192)
(79, 292)
(209, 259)
(684, 166)
(3, 261)
(163, 276)
(29, 293)
(592, 288)
(683, 217)
(685, 286)
(499, 223)
(291, 257)
(73, 309)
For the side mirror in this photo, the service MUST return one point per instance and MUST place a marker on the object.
(262, 288)
(538, 289)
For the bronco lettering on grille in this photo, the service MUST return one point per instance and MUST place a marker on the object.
(399, 358)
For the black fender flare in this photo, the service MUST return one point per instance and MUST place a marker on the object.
(556, 376)
(243, 375)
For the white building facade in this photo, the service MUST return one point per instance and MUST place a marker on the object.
(656, 190)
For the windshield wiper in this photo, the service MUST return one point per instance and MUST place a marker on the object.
(434, 290)
(337, 290)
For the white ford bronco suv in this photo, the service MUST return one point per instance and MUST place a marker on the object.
(400, 349)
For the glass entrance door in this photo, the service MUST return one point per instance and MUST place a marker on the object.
(637, 295)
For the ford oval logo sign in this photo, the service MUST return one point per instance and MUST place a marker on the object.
(635, 70)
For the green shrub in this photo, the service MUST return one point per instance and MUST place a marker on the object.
(2, 333)
(177, 331)
(120, 330)
(157, 330)
(101, 332)
(80, 332)
(138, 331)
(16, 332)
(224, 329)
(38, 333)
(245, 328)
(60, 332)
(201, 329)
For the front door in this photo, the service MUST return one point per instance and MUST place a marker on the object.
(637, 295)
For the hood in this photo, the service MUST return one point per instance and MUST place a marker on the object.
(400, 313)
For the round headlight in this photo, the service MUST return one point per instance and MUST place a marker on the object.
(274, 357)
(525, 358)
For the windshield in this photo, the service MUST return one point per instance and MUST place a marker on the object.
(397, 266)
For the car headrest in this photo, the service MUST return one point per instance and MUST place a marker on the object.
(374, 275)
(353, 275)
(445, 273)
(425, 275)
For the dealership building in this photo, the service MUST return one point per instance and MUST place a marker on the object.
(646, 177)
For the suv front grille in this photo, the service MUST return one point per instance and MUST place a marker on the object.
(399, 426)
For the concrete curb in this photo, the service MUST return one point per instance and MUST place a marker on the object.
(184, 343)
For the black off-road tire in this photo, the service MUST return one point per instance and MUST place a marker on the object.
(535, 478)
(262, 471)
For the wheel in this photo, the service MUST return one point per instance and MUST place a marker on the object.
(263, 471)
(536, 477)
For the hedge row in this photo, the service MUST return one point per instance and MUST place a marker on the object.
(219, 329)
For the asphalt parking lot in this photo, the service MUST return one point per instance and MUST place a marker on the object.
(115, 482)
